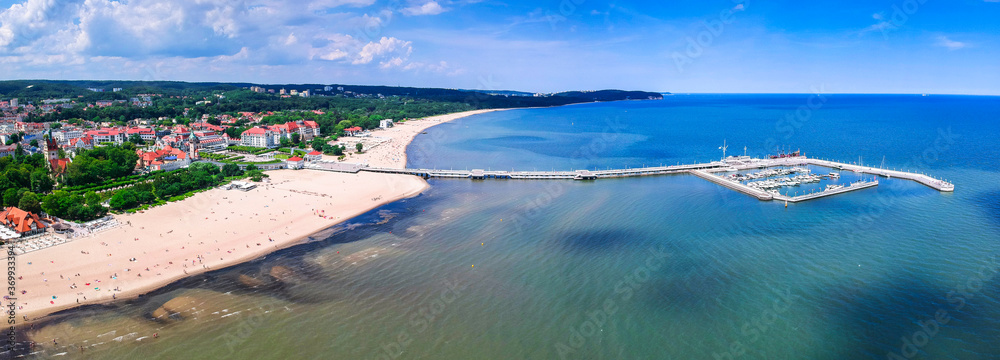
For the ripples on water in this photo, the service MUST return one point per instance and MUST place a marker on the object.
(523, 269)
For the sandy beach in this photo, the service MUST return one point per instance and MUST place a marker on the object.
(213, 229)
(208, 231)
(391, 152)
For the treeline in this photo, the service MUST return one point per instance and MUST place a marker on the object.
(101, 164)
(25, 182)
(168, 185)
(399, 102)
(37, 90)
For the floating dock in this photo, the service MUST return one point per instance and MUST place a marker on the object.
(819, 194)
(760, 194)
(936, 184)
(703, 170)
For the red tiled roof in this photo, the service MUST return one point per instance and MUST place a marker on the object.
(314, 153)
(20, 220)
(85, 140)
(59, 165)
(255, 131)
(139, 131)
(111, 132)
(295, 159)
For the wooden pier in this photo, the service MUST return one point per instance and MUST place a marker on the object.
(480, 174)
(705, 170)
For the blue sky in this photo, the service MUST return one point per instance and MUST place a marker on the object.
(904, 46)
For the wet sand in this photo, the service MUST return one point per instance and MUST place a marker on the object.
(209, 231)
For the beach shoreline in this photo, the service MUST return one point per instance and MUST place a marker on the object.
(76, 274)
(391, 152)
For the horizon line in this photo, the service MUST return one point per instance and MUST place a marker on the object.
(535, 92)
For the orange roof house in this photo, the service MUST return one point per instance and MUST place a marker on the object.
(59, 165)
(21, 221)
(159, 157)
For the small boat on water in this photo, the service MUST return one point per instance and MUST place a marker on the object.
(834, 175)
(833, 187)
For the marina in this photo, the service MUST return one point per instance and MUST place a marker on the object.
(775, 173)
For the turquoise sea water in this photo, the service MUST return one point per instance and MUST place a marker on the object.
(668, 267)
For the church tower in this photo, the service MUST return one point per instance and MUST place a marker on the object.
(193, 144)
(50, 148)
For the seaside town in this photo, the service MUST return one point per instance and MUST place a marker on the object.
(440, 179)
(109, 193)
(160, 145)
(99, 211)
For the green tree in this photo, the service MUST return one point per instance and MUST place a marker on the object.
(235, 132)
(33, 142)
(41, 182)
(296, 138)
(92, 199)
(231, 170)
(136, 139)
(359, 146)
(11, 196)
(102, 164)
(57, 203)
(30, 202)
(318, 144)
(124, 199)
(285, 142)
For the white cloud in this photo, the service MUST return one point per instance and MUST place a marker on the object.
(25, 23)
(391, 63)
(385, 46)
(950, 44)
(441, 67)
(329, 4)
(882, 24)
(186, 40)
(429, 8)
(336, 54)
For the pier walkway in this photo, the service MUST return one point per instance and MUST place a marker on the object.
(703, 170)
(760, 194)
(939, 185)
(479, 174)
(819, 194)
